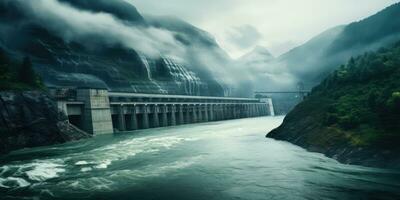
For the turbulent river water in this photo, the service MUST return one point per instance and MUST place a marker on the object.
(219, 160)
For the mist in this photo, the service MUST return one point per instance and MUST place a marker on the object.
(98, 28)
(80, 26)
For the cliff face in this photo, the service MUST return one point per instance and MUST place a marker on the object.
(31, 119)
(354, 114)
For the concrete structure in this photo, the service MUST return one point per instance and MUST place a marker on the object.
(98, 111)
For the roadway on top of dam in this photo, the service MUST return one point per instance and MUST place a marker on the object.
(166, 96)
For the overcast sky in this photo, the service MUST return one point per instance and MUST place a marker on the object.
(278, 25)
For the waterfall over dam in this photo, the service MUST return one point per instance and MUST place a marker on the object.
(98, 111)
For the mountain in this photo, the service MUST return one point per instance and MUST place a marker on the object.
(255, 61)
(258, 56)
(109, 44)
(354, 114)
(314, 60)
(120, 9)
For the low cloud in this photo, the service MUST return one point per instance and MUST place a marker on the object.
(244, 36)
(84, 26)
(102, 28)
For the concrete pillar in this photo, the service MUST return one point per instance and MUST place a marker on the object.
(211, 112)
(194, 114)
(62, 106)
(220, 112)
(155, 121)
(164, 111)
(97, 113)
(206, 118)
(224, 112)
(145, 120)
(234, 111)
(227, 111)
(188, 113)
(250, 110)
(247, 110)
(121, 118)
(133, 123)
(173, 116)
(200, 113)
(240, 111)
(217, 112)
(231, 108)
(180, 115)
(262, 111)
(244, 110)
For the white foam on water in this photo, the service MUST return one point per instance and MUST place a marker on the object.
(103, 165)
(13, 182)
(91, 184)
(104, 156)
(37, 171)
(43, 171)
(86, 169)
(156, 170)
(4, 169)
(82, 162)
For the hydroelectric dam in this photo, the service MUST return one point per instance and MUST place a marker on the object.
(98, 111)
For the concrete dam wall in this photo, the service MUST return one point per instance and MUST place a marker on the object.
(98, 111)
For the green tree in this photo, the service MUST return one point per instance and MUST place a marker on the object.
(5, 74)
(25, 73)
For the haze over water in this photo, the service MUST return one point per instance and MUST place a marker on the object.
(218, 160)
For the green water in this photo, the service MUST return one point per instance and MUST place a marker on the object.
(220, 160)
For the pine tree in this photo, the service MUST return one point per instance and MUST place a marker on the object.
(4, 69)
(26, 74)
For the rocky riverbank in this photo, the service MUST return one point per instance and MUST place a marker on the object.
(31, 119)
(304, 127)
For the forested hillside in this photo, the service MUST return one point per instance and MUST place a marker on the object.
(17, 75)
(354, 114)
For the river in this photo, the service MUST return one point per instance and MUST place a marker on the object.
(218, 160)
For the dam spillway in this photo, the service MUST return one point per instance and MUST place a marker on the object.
(98, 111)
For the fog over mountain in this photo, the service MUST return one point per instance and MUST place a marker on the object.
(109, 42)
(278, 25)
(313, 61)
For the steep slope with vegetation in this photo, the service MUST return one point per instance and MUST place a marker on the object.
(16, 75)
(354, 114)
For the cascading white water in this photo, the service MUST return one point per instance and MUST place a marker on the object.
(149, 76)
(191, 82)
(185, 79)
(271, 107)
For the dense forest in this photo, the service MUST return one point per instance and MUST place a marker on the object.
(17, 75)
(365, 95)
(354, 114)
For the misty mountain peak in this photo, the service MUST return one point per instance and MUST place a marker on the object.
(257, 55)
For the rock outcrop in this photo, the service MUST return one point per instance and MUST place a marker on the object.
(31, 119)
